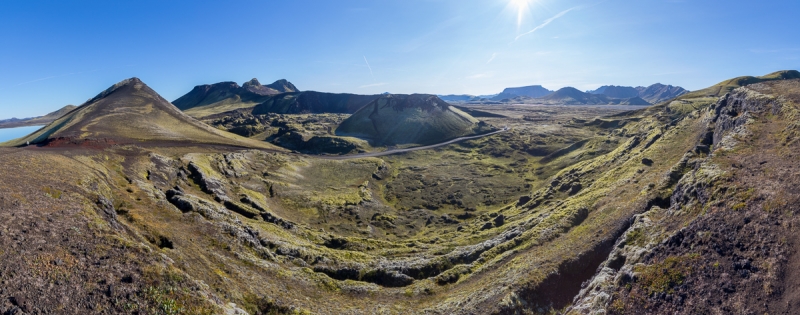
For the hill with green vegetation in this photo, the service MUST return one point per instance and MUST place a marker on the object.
(210, 99)
(724, 87)
(130, 112)
(313, 102)
(37, 121)
(408, 119)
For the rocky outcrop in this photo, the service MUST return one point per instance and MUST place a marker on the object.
(734, 110)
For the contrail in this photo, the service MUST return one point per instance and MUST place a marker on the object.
(370, 68)
(548, 21)
(494, 55)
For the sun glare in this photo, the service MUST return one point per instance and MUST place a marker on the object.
(522, 7)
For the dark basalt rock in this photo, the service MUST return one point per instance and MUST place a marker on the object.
(208, 184)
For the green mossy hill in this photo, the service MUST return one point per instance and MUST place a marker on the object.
(311, 102)
(129, 112)
(408, 119)
(726, 86)
(37, 121)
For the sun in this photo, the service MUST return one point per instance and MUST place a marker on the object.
(519, 3)
(522, 8)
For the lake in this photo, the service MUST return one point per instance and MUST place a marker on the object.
(19, 132)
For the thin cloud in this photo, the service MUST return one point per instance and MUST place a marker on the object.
(477, 76)
(370, 68)
(372, 85)
(773, 51)
(494, 55)
(548, 21)
(46, 78)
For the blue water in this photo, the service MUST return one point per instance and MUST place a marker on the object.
(19, 132)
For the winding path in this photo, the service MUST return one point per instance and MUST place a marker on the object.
(396, 151)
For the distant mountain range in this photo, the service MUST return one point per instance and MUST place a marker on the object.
(36, 121)
(654, 94)
(609, 94)
(463, 98)
(573, 96)
(534, 91)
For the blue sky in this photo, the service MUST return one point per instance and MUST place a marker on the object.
(54, 53)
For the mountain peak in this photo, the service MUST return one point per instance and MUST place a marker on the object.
(283, 86)
(252, 82)
(133, 82)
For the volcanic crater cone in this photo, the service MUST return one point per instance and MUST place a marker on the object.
(130, 112)
(408, 119)
(313, 102)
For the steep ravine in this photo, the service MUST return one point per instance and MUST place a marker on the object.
(683, 256)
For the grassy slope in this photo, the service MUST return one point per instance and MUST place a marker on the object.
(225, 105)
(725, 87)
(747, 214)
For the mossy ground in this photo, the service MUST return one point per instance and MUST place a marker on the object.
(369, 204)
(510, 222)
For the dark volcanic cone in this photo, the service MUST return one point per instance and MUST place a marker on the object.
(408, 119)
(313, 102)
